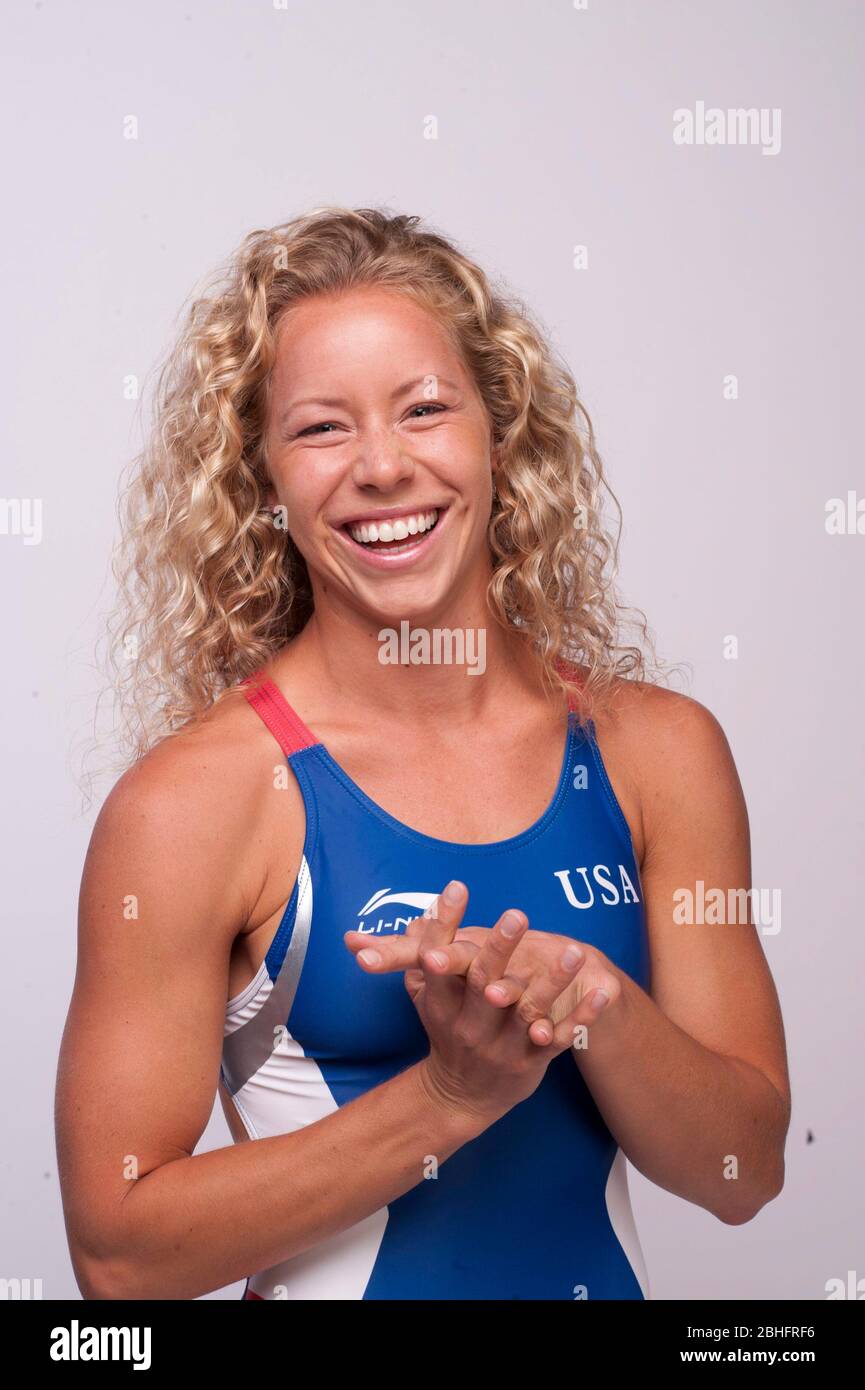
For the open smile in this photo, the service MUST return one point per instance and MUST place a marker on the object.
(393, 540)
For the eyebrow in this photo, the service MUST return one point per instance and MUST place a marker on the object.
(339, 401)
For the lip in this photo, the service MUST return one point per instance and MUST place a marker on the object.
(385, 514)
(379, 559)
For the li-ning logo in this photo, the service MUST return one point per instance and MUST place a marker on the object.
(384, 896)
(583, 895)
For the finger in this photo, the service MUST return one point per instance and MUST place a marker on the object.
(443, 916)
(547, 983)
(507, 990)
(476, 934)
(442, 990)
(542, 1032)
(413, 980)
(480, 1018)
(382, 954)
(492, 960)
(568, 1033)
(441, 960)
(454, 959)
(400, 952)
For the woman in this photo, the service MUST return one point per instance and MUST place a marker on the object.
(374, 601)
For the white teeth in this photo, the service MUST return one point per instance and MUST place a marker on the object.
(412, 525)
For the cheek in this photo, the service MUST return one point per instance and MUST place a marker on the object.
(460, 454)
(298, 516)
(303, 485)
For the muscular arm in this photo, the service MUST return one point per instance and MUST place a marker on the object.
(163, 896)
(693, 1080)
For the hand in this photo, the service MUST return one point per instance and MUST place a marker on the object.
(598, 981)
(492, 1032)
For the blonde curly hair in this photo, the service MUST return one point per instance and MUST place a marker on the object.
(209, 588)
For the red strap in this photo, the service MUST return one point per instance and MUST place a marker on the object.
(269, 702)
(568, 672)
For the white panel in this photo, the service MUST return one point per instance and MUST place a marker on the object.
(622, 1220)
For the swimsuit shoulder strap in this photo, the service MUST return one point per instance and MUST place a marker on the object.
(569, 673)
(272, 707)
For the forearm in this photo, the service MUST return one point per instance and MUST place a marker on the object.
(707, 1127)
(206, 1220)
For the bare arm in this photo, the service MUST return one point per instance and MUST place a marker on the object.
(163, 896)
(692, 1081)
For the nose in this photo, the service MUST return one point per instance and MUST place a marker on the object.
(381, 461)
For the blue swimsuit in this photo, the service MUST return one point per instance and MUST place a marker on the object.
(537, 1207)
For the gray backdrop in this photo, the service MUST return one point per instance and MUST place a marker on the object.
(555, 129)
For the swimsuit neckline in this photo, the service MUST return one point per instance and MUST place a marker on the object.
(465, 847)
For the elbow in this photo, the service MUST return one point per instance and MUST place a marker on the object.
(105, 1274)
(743, 1206)
(112, 1259)
(118, 1280)
(91, 1280)
(739, 1216)
(103, 1279)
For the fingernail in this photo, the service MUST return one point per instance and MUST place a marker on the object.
(511, 923)
(543, 1033)
(497, 991)
(453, 891)
(437, 957)
(572, 957)
(369, 956)
(600, 999)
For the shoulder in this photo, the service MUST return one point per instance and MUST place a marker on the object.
(204, 776)
(663, 723)
(199, 806)
(672, 753)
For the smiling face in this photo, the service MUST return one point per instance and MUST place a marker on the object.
(379, 448)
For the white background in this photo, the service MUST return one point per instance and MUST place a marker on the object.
(554, 129)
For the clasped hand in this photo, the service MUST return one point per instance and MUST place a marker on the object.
(505, 999)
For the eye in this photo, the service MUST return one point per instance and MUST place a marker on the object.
(328, 426)
(313, 429)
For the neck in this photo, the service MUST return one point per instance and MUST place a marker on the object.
(448, 664)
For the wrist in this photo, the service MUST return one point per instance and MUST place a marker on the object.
(459, 1118)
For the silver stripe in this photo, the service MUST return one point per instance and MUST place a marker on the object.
(620, 1212)
(247, 1049)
